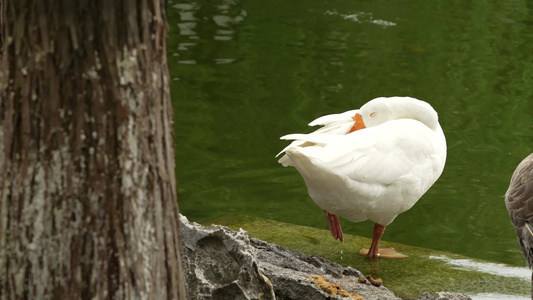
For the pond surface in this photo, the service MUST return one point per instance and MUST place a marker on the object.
(246, 72)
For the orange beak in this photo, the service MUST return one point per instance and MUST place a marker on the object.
(359, 124)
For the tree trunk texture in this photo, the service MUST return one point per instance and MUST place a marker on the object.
(1, 27)
(88, 199)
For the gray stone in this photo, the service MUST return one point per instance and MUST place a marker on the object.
(222, 264)
(290, 270)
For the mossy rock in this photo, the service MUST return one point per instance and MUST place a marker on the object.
(424, 270)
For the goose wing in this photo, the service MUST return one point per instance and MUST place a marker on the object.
(519, 203)
(378, 155)
(334, 124)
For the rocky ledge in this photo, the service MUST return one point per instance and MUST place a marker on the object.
(224, 264)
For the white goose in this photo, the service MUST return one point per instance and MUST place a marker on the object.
(370, 164)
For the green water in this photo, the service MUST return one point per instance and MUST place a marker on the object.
(245, 72)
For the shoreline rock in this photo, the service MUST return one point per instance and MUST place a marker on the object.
(223, 264)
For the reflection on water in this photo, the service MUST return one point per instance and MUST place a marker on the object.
(486, 296)
(489, 268)
(362, 17)
(199, 22)
(486, 267)
(246, 72)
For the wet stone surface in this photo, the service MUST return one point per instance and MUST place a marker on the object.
(224, 264)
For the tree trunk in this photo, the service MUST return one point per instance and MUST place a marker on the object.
(1, 27)
(88, 199)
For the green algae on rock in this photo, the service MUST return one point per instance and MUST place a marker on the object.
(424, 271)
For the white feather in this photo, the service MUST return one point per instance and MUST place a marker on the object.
(374, 173)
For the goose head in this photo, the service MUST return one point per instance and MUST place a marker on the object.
(381, 110)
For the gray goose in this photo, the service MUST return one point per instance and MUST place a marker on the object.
(519, 203)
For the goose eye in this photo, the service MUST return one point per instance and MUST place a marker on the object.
(373, 114)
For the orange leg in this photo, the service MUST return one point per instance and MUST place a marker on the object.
(335, 226)
(375, 251)
(374, 247)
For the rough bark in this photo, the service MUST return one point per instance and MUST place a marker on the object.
(1, 27)
(88, 201)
